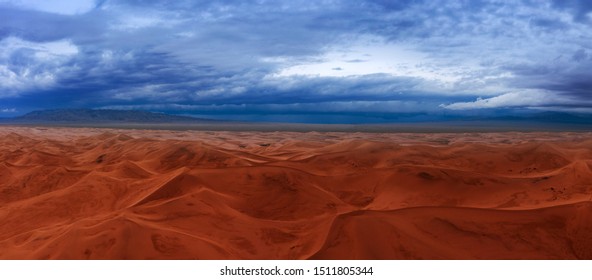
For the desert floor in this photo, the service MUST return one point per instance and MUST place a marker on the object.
(90, 193)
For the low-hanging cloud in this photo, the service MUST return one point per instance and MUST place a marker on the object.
(523, 99)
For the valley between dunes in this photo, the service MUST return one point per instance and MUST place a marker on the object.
(84, 193)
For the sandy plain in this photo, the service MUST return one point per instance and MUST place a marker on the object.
(98, 193)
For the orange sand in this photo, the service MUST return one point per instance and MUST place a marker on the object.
(77, 193)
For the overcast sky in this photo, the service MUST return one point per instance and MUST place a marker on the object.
(236, 57)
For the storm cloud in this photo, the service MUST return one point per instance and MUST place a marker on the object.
(195, 57)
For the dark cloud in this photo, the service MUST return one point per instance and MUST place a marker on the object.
(549, 24)
(581, 55)
(579, 87)
(578, 8)
(40, 26)
(227, 53)
(395, 5)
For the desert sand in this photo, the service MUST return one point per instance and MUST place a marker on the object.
(90, 193)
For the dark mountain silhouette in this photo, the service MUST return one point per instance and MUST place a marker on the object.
(552, 117)
(544, 121)
(99, 116)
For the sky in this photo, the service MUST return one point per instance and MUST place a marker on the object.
(297, 58)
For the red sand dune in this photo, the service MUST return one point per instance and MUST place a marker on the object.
(138, 194)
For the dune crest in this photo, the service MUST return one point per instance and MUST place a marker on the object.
(80, 193)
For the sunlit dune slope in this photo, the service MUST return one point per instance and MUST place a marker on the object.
(139, 194)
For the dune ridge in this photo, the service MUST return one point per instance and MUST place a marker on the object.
(89, 193)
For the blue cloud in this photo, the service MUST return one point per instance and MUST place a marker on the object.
(430, 56)
(578, 8)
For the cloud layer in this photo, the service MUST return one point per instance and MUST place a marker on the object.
(301, 56)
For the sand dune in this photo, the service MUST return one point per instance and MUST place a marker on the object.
(81, 193)
(560, 232)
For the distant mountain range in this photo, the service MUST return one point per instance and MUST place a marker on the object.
(549, 117)
(82, 117)
(98, 116)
